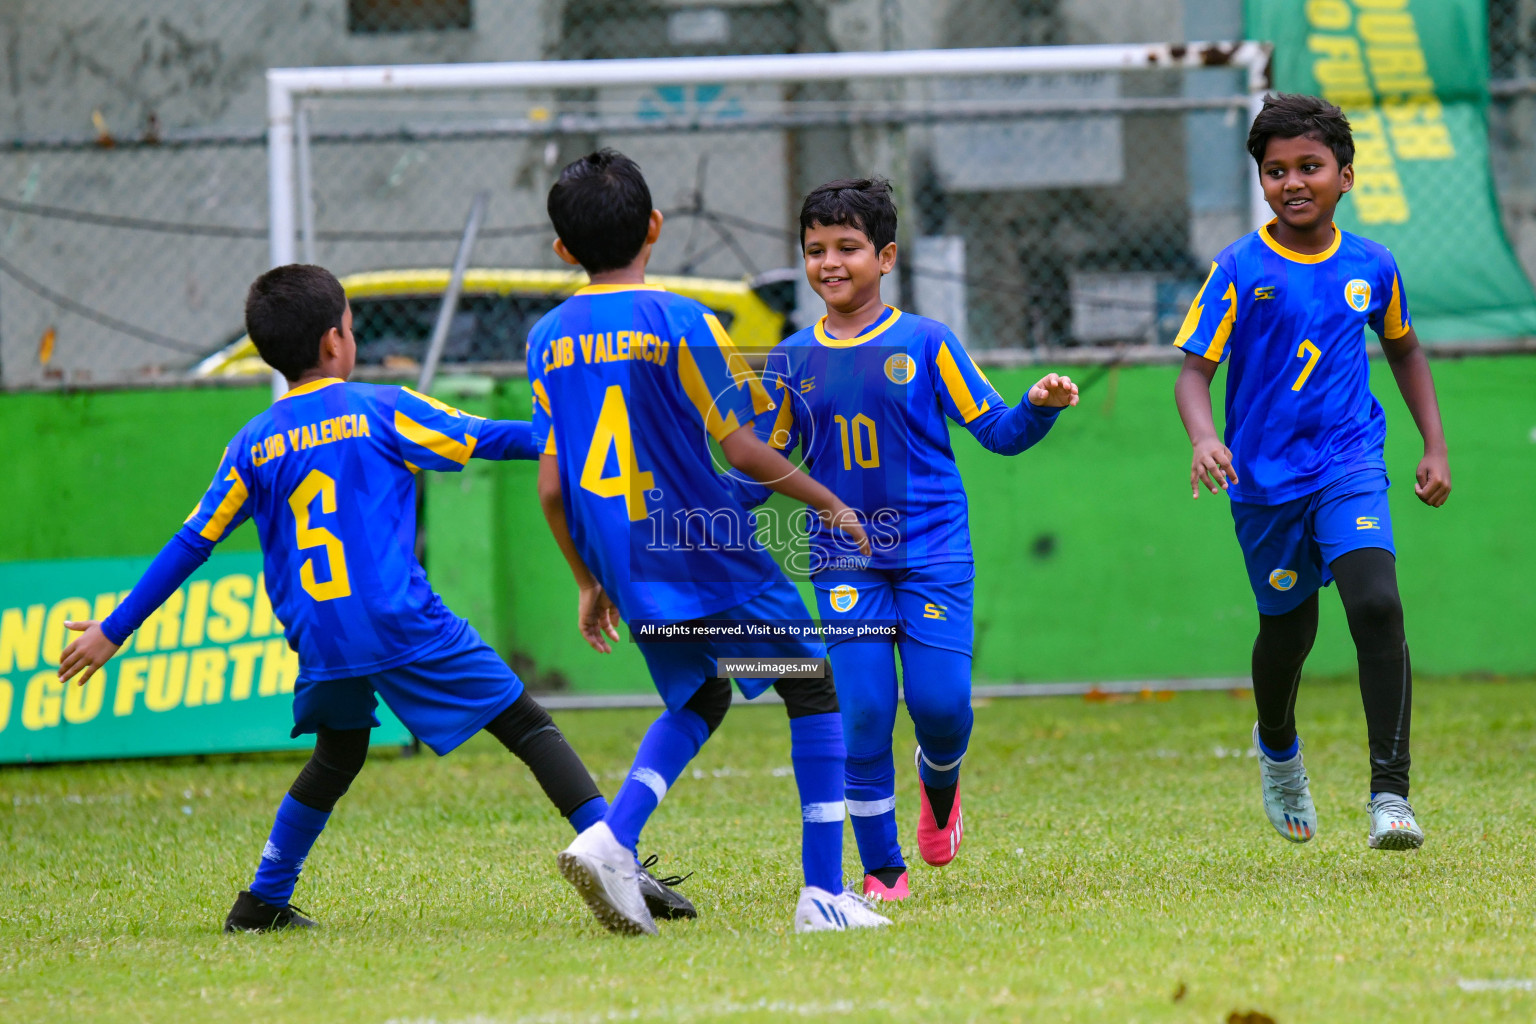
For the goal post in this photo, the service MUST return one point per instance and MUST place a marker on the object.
(948, 105)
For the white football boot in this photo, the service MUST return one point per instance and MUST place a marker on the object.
(1393, 826)
(820, 911)
(1287, 796)
(604, 872)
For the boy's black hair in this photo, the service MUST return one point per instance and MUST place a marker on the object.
(1290, 115)
(863, 203)
(601, 209)
(287, 312)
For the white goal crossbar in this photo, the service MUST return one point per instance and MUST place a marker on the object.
(285, 86)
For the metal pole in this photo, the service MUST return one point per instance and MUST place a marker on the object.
(306, 185)
(279, 185)
(451, 294)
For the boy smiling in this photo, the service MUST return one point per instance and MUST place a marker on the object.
(1302, 459)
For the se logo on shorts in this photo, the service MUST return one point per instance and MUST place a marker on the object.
(935, 611)
(1368, 523)
(844, 597)
(1282, 579)
(1358, 294)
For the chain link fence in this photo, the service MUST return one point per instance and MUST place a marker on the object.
(1039, 212)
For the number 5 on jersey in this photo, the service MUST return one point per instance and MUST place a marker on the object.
(613, 433)
(317, 484)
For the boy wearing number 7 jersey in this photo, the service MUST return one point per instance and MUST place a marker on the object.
(327, 474)
(1287, 308)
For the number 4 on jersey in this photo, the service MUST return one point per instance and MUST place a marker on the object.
(630, 482)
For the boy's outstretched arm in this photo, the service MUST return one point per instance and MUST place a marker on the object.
(597, 617)
(751, 455)
(1410, 369)
(1015, 430)
(98, 641)
(501, 440)
(1211, 460)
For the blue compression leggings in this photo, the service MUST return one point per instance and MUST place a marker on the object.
(938, 694)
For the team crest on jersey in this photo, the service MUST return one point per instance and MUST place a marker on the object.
(844, 597)
(1358, 294)
(1282, 579)
(899, 368)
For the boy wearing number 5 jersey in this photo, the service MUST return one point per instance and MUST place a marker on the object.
(1287, 308)
(867, 395)
(327, 473)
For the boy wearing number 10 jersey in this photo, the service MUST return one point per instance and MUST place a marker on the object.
(867, 394)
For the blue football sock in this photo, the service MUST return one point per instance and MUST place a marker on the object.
(293, 833)
(871, 790)
(817, 752)
(1281, 755)
(588, 814)
(669, 744)
(938, 692)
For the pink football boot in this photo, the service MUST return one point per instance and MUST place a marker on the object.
(938, 846)
(877, 890)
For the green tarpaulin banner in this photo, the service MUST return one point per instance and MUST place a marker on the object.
(1413, 77)
(209, 672)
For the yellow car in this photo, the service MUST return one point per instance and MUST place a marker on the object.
(393, 312)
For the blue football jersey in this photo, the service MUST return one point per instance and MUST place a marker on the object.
(629, 383)
(327, 474)
(1299, 408)
(870, 415)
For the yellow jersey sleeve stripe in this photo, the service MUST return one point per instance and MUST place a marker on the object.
(959, 390)
(541, 396)
(740, 372)
(698, 393)
(1392, 326)
(783, 423)
(1224, 329)
(440, 444)
(549, 445)
(1196, 308)
(228, 508)
(440, 406)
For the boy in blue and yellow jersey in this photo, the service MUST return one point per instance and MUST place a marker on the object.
(630, 383)
(327, 474)
(1302, 461)
(866, 394)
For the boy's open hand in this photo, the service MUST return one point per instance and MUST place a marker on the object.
(88, 652)
(597, 617)
(841, 517)
(1053, 391)
(1212, 462)
(1434, 479)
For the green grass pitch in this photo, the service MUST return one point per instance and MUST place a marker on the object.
(1117, 867)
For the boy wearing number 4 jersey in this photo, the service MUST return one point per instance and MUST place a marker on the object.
(866, 394)
(327, 474)
(1287, 307)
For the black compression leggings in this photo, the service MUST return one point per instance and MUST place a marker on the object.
(1367, 581)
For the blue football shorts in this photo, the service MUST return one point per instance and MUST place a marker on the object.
(1288, 547)
(932, 604)
(679, 668)
(444, 698)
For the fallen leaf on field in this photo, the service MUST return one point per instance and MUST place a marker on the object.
(1251, 1017)
(1180, 992)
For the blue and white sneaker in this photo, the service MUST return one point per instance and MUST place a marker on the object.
(1287, 796)
(820, 911)
(1393, 826)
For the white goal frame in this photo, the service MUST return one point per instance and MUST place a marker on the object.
(286, 87)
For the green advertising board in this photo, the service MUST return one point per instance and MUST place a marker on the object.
(1412, 75)
(209, 672)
